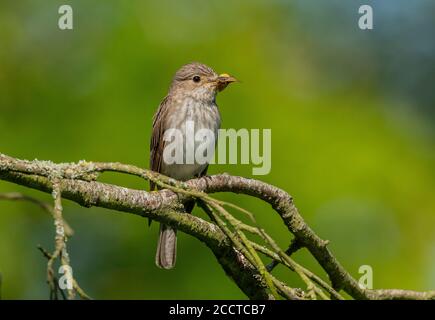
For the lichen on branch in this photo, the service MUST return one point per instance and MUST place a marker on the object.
(227, 236)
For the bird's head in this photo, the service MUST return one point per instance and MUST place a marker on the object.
(199, 81)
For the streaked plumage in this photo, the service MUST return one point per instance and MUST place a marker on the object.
(187, 100)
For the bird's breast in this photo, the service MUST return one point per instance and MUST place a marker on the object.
(204, 116)
(187, 114)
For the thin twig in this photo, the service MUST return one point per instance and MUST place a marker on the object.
(82, 294)
(79, 184)
(292, 248)
(16, 196)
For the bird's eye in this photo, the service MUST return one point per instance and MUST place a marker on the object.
(196, 79)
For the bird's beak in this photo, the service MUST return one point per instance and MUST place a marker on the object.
(225, 77)
(223, 80)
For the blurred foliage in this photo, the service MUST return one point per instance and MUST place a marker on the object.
(351, 113)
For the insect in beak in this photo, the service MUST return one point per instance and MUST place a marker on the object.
(223, 80)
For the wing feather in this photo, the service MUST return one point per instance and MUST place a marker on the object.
(157, 144)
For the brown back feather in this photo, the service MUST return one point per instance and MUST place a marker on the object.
(157, 144)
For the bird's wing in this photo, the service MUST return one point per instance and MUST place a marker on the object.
(157, 144)
(203, 172)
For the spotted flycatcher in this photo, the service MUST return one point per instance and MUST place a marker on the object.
(191, 99)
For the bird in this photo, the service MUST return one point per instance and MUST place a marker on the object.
(191, 97)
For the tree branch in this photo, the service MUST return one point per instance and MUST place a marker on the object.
(77, 182)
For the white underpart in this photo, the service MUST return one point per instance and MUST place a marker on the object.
(204, 115)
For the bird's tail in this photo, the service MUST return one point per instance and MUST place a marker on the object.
(167, 247)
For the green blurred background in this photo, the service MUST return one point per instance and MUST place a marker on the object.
(351, 112)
